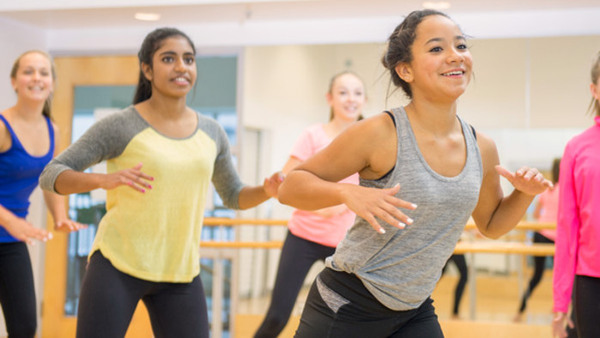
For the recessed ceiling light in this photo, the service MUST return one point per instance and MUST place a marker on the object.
(438, 5)
(147, 16)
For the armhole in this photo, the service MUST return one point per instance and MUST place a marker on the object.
(389, 173)
(391, 116)
(474, 133)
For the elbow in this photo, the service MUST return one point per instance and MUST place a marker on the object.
(283, 194)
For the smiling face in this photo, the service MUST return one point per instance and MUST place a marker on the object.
(346, 97)
(441, 63)
(32, 78)
(173, 69)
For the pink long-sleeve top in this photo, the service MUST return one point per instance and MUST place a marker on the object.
(578, 225)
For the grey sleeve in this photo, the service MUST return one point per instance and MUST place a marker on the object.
(225, 177)
(106, 139)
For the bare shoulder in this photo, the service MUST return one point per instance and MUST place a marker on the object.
(488, 150)
(4, 136)
(380, 140)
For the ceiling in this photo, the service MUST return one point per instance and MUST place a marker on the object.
(68, 14)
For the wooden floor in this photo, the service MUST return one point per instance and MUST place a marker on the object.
(497, 303)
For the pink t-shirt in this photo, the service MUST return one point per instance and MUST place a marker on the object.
(578, 226)
(308, 225)
(549, 212)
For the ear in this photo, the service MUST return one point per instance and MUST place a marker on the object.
(405, 72)
(594, 90)
(147, 70)
(329, 98)
(13, 83)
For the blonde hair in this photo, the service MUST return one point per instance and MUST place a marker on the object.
(595, 73)
(13, 75)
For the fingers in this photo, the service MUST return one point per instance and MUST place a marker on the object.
(136, 179)
(504, 173)
(69, 225)
(36, 234)
(390, 212)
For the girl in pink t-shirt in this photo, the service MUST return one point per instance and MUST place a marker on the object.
(313, 235)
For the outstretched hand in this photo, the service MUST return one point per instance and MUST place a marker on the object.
(68, 225)
(271, 184)
(372, 203)
(527, 180)
(132, 177)
(26, 232)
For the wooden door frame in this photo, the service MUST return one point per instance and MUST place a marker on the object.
(72, 72)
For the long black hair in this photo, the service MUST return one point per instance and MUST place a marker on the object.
(151, 44)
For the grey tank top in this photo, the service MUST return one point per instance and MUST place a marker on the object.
(401, 267)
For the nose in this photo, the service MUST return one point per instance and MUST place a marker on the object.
(455, 56)
(180, 65)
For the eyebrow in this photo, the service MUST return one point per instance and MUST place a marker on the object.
(458, 37)
(170, 52)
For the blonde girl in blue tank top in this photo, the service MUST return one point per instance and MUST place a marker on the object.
(423, 173)
(27, 144)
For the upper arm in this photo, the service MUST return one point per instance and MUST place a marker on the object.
(364, 147)
(490, 194)
(56, 138)
(4, 137)
(291, 163)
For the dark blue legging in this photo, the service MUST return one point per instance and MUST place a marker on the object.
(461, 265)
(17, 292)
(297, 256)
(109, 298)
(339, 306)
(538, 270)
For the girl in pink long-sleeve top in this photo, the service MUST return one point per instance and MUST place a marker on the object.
(577, 259)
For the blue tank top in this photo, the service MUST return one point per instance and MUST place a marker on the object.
(19, 174)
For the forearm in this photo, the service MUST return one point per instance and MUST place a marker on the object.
(6, 216)
(303, 190)
(56, 206)
(507, 215)
(252, 196)
(73, 182)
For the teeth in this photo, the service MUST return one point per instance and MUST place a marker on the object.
(179, 79)
(453, 73)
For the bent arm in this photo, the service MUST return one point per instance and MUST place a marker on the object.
(496, 214)
(364, 147)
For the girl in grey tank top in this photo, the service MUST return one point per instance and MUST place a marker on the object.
(423, 174)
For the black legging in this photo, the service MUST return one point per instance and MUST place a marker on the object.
(587, 306)
(461, 265)
(17, 292)
(109, 298)
(538, 272)
(297, 256)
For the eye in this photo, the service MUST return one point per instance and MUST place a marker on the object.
(189, 60)
(462, 46)
(436, 49)
(167, 59)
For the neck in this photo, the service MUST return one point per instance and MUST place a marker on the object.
(167, 107)
(437, 118)
(337, 125)
(28, 110)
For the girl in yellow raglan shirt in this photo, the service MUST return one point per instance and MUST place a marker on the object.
(147, 245)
